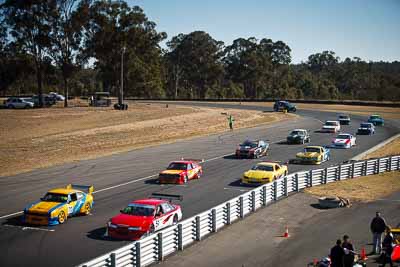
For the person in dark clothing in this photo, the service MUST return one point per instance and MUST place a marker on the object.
(348, 251)
(378, 226)
(337, 255)
(387, 245)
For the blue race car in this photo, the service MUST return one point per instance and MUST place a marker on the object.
(377, 120)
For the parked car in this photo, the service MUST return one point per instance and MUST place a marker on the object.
(100, 99)
(145, 216)
(264, 172)
(180, 172)
(314, 155)
(344, 140)
(298, 136)
(252, 149)
(344, 119)
(367, 128)
(284, 105)
(18, 102)
(376, 119)
(331, 127)
(56, 96)
(59, 204)
(46, 100)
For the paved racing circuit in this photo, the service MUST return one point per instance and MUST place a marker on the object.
(121, 178)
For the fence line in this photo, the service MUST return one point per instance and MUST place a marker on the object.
(157, 246)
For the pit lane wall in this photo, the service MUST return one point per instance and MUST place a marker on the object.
(154, 248)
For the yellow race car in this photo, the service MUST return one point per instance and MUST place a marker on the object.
(313, 155)
(264, 172)
(59, 204)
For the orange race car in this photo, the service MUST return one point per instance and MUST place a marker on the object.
(179, 172)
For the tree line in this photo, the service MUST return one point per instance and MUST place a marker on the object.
(76, 47)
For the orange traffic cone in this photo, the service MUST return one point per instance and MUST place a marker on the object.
(286, 234)
(363, 255)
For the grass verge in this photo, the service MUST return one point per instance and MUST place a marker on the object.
(41, 138)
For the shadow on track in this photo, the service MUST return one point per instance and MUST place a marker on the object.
(152, 181)
(98, 234)
(15, 221)
(233, 156)
(238, 183)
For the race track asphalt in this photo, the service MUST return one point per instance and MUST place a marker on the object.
(120, 178)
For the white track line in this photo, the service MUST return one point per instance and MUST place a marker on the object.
(30, 228)
(136, 180)
(130, 182)
(118, 185)
(12, 214)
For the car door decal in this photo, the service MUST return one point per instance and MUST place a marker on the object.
(79, 204)
(167, 218)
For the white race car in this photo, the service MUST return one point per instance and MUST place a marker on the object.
(331, 127)
(344, 140)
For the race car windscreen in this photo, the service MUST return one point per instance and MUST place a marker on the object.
(297, 133)
(177, 166)
(51, 197)
(311, 149)
(343, 136)
(373, 117)
(249, 143)
(263, 168)
(139, 210)
(330, 123)
(365, 125)
(343, 117)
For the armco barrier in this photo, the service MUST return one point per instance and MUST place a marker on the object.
(155, 247)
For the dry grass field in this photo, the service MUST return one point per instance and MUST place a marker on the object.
(38, 138)
(363, 189)
(390, 149)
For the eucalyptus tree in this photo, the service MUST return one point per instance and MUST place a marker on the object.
(196, 57)
(29, 26)
(67, 20)
(113, 28)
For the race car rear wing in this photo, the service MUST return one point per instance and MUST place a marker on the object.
(88, 189)
(194, 160)
(166, 196)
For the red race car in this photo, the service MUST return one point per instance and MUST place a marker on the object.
(144, 217)
(179, 172)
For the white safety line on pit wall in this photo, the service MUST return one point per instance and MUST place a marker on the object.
(30, 228)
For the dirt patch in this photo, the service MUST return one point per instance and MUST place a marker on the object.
(363, 189)
(39, 138)
(390, 149)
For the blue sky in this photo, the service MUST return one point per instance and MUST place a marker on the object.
(369, 29)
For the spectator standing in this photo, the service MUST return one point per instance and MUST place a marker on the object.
(378, 226)
(337, 255)
(348, 251)
(387, 244)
